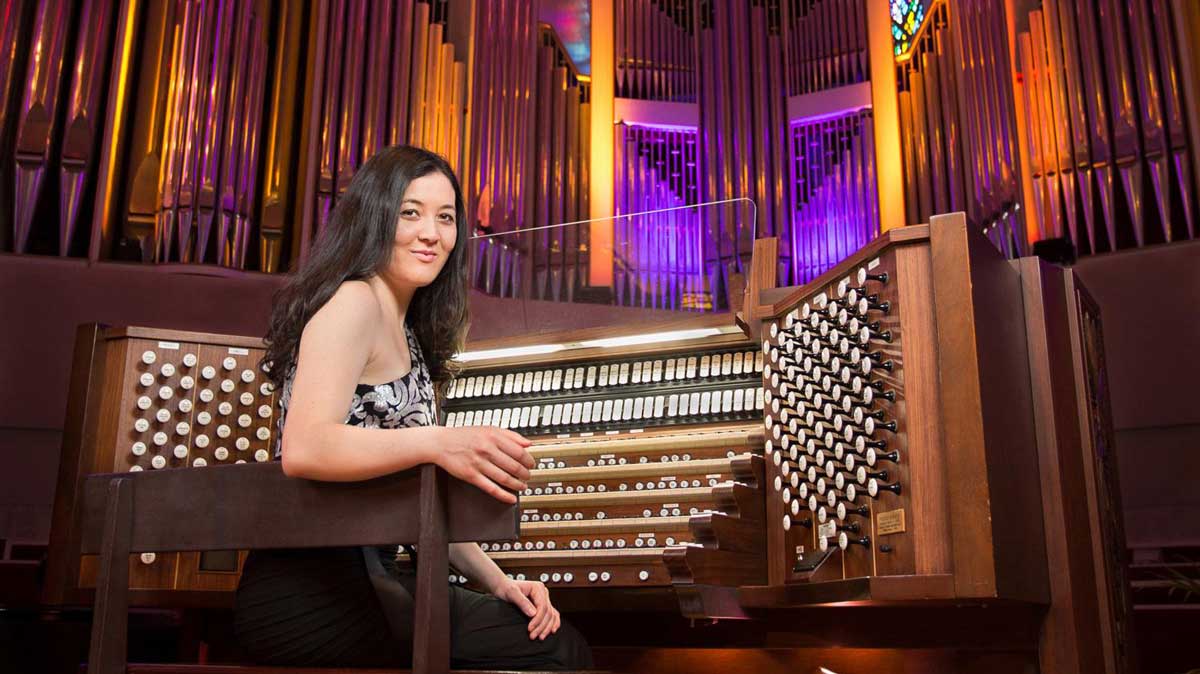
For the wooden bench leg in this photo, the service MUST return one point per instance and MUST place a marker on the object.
(110, 616)
(431, 637)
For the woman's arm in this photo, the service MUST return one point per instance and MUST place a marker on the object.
(531, 597)
(319, 445)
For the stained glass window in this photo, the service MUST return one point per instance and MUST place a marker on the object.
(907, 17)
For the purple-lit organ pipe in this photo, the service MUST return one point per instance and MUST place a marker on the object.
(38, 113)
(84, 121)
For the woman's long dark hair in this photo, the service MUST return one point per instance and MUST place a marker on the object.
(356, 244)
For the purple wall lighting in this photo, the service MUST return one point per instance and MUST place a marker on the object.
(834, 193)
(658, 257)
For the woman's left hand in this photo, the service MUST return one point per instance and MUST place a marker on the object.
(533, 598)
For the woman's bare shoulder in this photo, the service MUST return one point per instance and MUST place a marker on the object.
(353, 308)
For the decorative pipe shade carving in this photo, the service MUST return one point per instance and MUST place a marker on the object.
(657, 258)
(1110, 158)
(834, 191)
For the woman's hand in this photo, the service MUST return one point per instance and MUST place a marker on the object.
(491, 458)
(533, 599)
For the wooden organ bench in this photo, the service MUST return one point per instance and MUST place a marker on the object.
(923, 429)
(123, 513)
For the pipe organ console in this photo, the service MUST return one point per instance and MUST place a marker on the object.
(649, 459)
(149, 399)
(903, 429)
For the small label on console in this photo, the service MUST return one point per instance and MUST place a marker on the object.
(872, 264)
(586, 434)
(827, 530)
(890, 522)
(174, 346)
(236, 351)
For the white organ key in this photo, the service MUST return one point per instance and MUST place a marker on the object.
(673, 405)
(623, 374)
(694, 404)
(690, 370)
(739, 396)
(519, 385)
(486, 420)
(556, 415)
(460, 388)
(726, 364)
(637, 408)
(469, 387)
(576, 412)
(526, 413)
(535, 414)
(556, 380)
(586, 415)
(536, 382)
(603, 375)
(607, 411)
(569, 378)
(704, 366)
(627, 409)
(526, 380)
(737, 364)
(496, 414)
(497, 385)
(590, 378)
(659, 402)
(669, 374)
(758, 397)
(705, 399)
(508, 384)
(452, 390)
(656, 371)
(469, 419)
(506, 418)
(726, 401)
(597, 409)
(637, 373)
(451, 419)
(748, 361)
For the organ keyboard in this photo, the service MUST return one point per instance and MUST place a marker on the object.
(891, 432)
(644, 451)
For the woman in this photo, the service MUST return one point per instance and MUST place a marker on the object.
(358, 339)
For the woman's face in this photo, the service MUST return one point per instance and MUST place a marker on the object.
(425, 231)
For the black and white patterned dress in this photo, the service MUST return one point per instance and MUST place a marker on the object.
(353, 606)
(407, 401)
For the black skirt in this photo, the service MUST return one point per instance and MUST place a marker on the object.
(352, 607)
